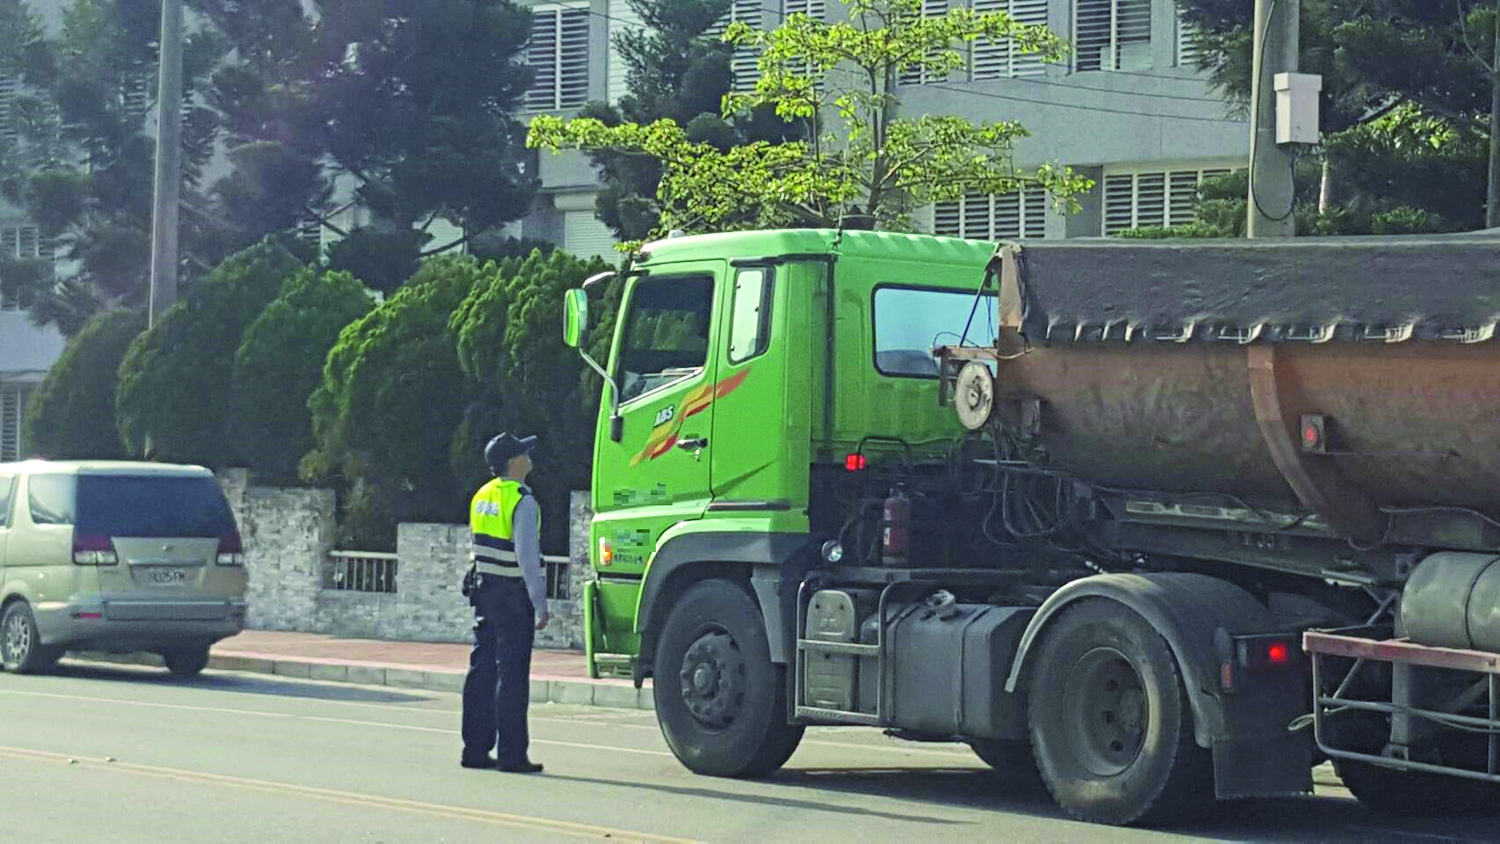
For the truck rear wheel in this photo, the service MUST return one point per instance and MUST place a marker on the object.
(720, 701)
(1397, 793)
(1110, 723)
(1394, 792)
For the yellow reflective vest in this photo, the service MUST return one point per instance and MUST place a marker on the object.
(490, 522)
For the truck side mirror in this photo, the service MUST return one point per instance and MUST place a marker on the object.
(576, 318)
(576, 335)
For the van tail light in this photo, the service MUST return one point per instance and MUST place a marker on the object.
(92, 549)
(231, 550)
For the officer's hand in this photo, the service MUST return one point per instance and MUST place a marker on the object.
(541, 619)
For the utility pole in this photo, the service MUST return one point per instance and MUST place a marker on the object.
(168, 163)
(1492, 210)
(1276, 51)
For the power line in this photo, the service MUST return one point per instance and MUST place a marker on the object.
(1078, 107)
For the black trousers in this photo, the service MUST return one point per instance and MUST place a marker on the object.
(498, 687)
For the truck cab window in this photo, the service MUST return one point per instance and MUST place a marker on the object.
(910, 322)
(750, 321)
(666, 335)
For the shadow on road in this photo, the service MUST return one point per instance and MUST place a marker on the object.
(242, 684)
(762, 800)
(1322, 819)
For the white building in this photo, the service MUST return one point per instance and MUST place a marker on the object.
(1129, 110)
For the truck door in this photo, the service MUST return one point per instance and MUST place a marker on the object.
(664, 360)
(765, 393)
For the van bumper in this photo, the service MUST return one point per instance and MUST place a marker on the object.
(137, 625)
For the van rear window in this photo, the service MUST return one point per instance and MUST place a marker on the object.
(118, 505)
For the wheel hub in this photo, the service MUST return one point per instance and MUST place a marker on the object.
(1106, 710)
(17, 639)
(713, 680)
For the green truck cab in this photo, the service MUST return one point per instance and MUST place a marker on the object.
(728, 404)
(1107, 511)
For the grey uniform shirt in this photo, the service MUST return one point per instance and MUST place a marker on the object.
(526, 523)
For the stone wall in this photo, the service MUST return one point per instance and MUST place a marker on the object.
(288, 534)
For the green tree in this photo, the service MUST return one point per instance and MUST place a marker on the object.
(81, 164)
(1390, 68)
(391, 398)
(675, 70)
(72, 415)
(509, 341)
(411, 99)
(1402, 173)
(175, 379)
(280, 363)
(862, 164)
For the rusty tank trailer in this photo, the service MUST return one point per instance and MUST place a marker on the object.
(1337, 388)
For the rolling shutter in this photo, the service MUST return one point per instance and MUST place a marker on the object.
(586, 237)
(999, 60)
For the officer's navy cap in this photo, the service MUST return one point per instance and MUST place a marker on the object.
(502, 448)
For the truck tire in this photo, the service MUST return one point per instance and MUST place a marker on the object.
(21, 648)
(1414, 794)
(1396, 793)
(720, 701)
(1011, 759)
(1110, 722)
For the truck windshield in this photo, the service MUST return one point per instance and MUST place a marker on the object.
(666, 335)
(910, 322)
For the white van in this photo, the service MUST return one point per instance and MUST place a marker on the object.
(116, 556)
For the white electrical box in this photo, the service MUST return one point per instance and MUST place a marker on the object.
(1297, 108)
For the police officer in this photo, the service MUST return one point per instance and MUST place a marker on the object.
(507, 587)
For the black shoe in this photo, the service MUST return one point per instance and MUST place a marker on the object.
(523, 768)
(483, 762)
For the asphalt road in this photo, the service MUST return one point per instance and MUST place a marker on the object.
(129, 755)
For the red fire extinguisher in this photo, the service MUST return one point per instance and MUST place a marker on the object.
(895, 545)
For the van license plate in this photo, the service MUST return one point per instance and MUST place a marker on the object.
(167, 577)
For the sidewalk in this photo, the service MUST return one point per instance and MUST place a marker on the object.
(556, 676)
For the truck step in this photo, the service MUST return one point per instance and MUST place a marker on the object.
(838, 716)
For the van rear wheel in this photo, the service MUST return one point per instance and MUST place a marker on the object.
(21, 648)
(186, 661)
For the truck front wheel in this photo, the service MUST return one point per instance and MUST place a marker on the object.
(720, 701)
(1110, 722)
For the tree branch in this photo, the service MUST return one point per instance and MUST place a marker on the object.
(430, 252)
(1463, 26)
(323, 221)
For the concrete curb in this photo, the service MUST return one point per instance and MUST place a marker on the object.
(617, 694)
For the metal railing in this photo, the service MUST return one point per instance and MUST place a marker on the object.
(360, 571)
(558, 588)
(375, 571)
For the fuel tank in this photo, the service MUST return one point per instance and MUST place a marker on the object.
(1351, 377)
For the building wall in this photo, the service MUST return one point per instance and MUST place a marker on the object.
(26, 353)
(1153, 114)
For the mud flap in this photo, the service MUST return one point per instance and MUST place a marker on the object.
(1262, 766)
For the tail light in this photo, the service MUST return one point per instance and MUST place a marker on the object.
(231, 550)
(92, 549)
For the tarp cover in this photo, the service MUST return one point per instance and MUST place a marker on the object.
(1307, 289)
